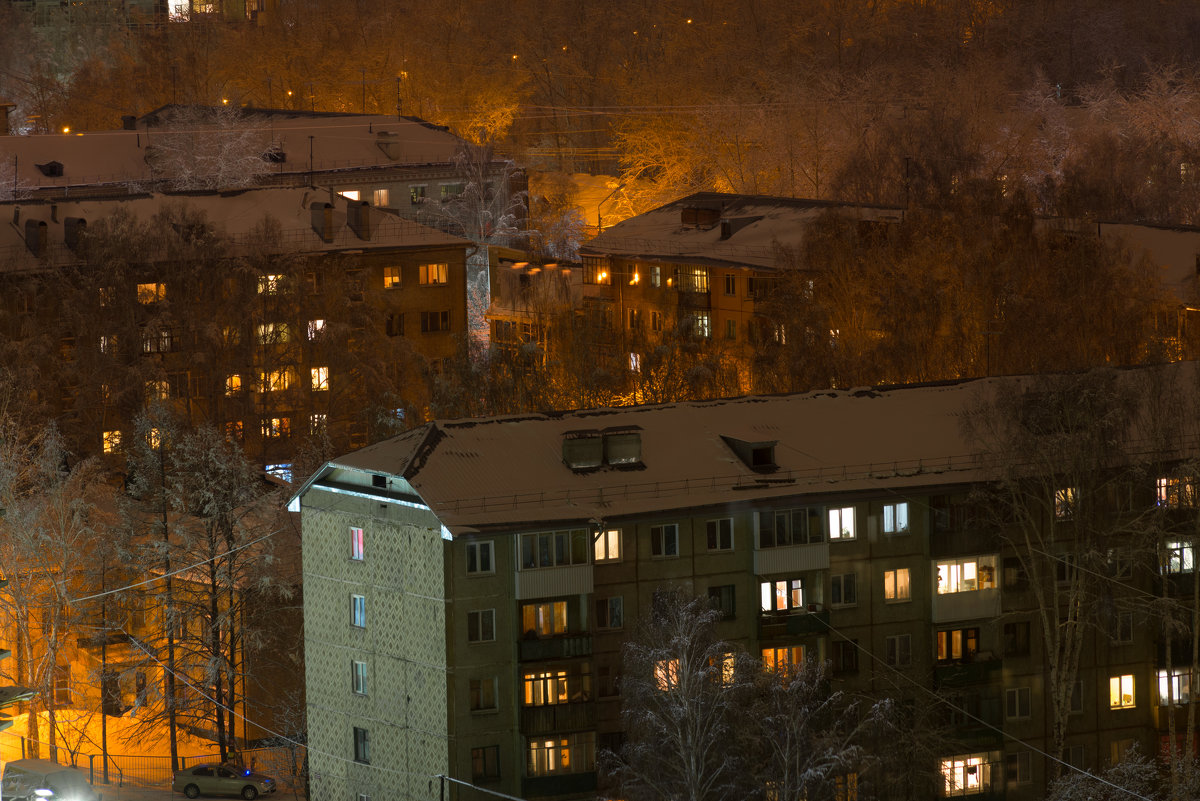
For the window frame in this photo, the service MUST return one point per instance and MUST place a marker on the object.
(897, 650)
(604, 541)
(534, 545)
(719, 531)
(846, 591)
(479, 691)
(782, 595)
(358, 676)
(478, 552)
(362, 746)
(1117, 697)
(358, 610)
(893, 513)
(433, 274)
(664, 541)
(840, 532)
(1018, 703)
(357, 544)
(892, 585)
(478, 622)
(609, 609)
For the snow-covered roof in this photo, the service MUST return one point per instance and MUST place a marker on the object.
(510, 472)
(339, 143)
(692, 230)
(232, 216)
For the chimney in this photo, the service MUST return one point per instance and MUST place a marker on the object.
(128, 122)
(358, 217)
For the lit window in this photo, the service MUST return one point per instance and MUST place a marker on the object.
(391, 277)
(655, 276)
(233, 384)
(610, 613)
(966, 775)
(607, 546)
(358, 674)
(416, 195)
(966, 575)
(276, 427)
(282, 470)
(350, 194)
(666, 674)
(720, 534)
(782, 595)
(956, 645)
(316, 422)
(234, 431)
(479, 557)
(557, 686)
(635, 362)
(274, 380)
(481, 626)
(433, 273)
(358, 611)
(270, 284)
(783, 659)
(895, 518)
(380, 197)
(154, 438)
(700, 324)
(315, 329)
(664, 540)
(320, 378)
(151, 293)
(231, 335)
(356, 543)
(112, 441)
(269, 333)
(1120, 692)
(1179, 557)
(841, 523)
(596, 271)
(573, 753)
(158, 390)
(692, 279)
(1064, 503)
(1176, 493)
(108, 343)
(544, 619)
(896, 585)
(656, 321)
(1175, 687)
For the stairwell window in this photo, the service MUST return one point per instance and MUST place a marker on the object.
(481, 625)
(358, 676)
(362, 749)
(358, 611)
(356, 543)
(479, 558)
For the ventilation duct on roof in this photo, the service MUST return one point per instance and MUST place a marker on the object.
(322, 220)
(51, 169)
(36, 236)
(358, 217)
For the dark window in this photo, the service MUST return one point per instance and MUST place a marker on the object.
(845, 656)
(432, 322)
(720, 534)
(485, 762)
(1016, 639)
(722, 599)
(664, 540)
(395, 324)
(362, 750)
(843, 590)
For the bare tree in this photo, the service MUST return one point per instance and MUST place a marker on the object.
(209, 148)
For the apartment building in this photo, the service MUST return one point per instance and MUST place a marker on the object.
(469, 585)
(277, 314)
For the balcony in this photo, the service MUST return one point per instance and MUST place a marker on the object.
(554, 648)
(799, 622)
(538, 720)
(566, 784)
(955, 606)
(982, 668)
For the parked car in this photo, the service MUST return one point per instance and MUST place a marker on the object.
(36, 779)
(222, 780)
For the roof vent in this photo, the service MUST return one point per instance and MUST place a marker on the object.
(36, 236)
(614, 447)
(51, 169)
(322, 220)
(758, 456)
(699, 216)
(358, 217)
(389, 144)
(73, 230)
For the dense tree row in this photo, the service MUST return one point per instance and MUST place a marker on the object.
(1086, 105)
